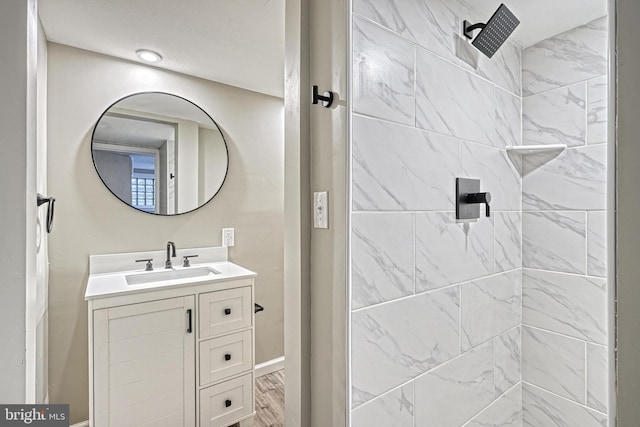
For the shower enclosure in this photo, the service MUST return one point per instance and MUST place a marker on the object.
(503, 320)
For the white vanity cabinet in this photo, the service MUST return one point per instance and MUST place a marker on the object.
(173, 356)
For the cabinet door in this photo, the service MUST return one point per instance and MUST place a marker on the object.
(144, 364)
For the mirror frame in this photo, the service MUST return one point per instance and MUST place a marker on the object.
(224, 140)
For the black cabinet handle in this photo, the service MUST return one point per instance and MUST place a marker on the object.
(227, 403)
(227, 311)
(189, 327)
(227, 357)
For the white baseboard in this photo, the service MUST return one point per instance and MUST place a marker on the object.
(82, 424)
(269, 366)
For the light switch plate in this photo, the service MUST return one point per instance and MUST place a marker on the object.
(321, 209)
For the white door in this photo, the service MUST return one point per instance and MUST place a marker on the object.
(144, 364)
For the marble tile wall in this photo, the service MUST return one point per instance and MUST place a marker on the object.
(506, 314)
(436, 303)
(564, 296)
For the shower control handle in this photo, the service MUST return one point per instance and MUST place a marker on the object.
(485, 198)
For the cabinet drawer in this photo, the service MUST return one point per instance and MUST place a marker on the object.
(225, 356)
(224, 404)
(225, 311)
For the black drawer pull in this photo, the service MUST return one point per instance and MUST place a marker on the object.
(227, 311)
(227, 357)
(190, 327)
(227, 403)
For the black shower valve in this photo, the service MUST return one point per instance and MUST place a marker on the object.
(469, 198)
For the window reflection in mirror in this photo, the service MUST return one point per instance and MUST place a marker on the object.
(159, 153)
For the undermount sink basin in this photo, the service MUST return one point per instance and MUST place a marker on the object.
(163, 276)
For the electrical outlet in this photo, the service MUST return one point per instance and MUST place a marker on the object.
(228, 238)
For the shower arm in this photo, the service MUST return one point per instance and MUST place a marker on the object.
(468, 28)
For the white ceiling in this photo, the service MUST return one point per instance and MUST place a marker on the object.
(129, 131)
(541, 19)
(241, 42)
(161, 104)
(237, 42)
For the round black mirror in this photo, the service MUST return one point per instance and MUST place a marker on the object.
(160, 153)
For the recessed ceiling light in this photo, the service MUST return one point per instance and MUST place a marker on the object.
(149, 55)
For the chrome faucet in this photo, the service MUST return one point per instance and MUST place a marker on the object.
(170, 254)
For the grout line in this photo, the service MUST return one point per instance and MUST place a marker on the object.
(486, 408)
(384, 393)
(466, 141)
(565, 86)
(563, 398)
(415, 256)
(586, 373)
(560, 334)
(586, 243)
(431, 291)
(595, 144)
(450, 361)
(419, 129)
(571, 210)
(433, 212)
(584, 276)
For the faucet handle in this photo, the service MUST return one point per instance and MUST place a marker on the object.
(185, 260)
(149, 266)
(480, 198)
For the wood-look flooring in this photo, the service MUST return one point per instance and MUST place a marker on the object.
(270, 400)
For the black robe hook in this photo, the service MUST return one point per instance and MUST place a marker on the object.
(51, 201)
(326, 98)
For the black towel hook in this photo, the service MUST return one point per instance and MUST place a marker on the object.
(51, 201)
(326, 98)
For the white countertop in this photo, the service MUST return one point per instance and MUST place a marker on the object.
(109, 284)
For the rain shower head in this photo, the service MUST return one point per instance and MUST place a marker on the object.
(494, 33)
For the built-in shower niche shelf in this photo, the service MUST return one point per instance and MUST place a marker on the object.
(535, 149)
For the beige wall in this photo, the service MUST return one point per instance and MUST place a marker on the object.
(90, 220)
(40, 298)
(628, 207)
(297, 212)
(18, 115)
(329, 169)
(315, 259)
